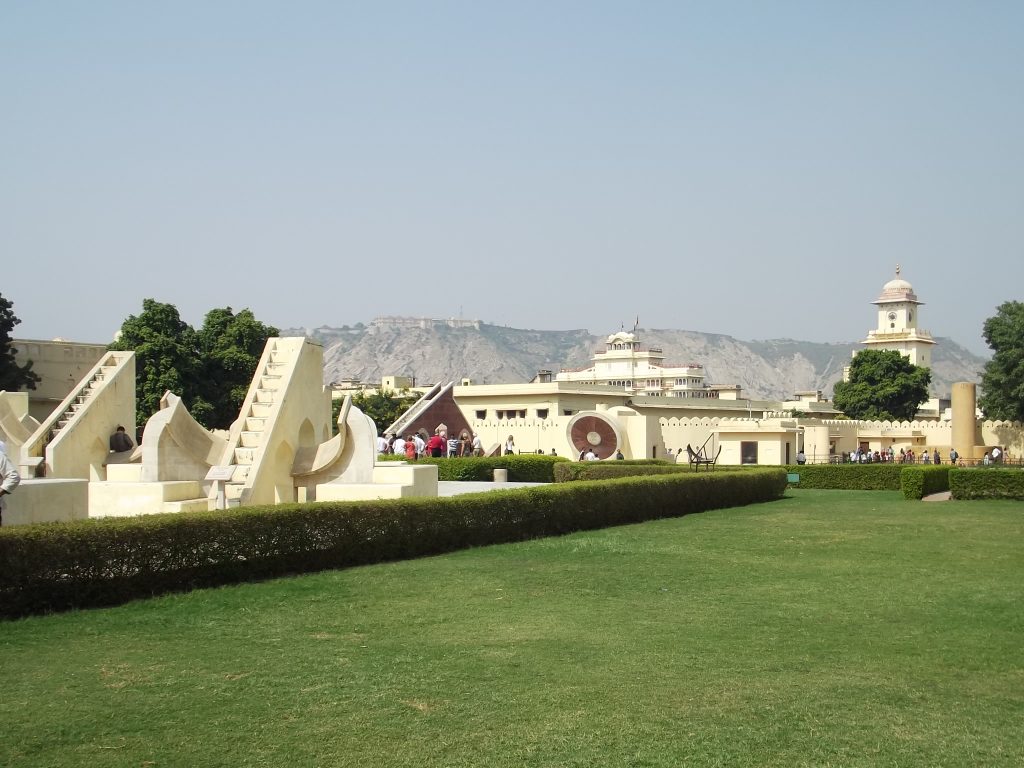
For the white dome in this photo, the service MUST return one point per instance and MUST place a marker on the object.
(897, 289)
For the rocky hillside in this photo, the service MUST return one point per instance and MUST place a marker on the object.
(492, 354)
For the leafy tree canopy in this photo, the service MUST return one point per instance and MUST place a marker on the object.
(884, 385)
(229, 348)
(383, 406)
(1002, 381)
(210, 369)
(13, 377)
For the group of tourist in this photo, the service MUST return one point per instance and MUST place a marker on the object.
(413, 446)
(905, 456)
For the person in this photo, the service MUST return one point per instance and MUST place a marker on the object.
(382, 443)
(119, 441)
(583, 454)
(9, 478)
(997, 454)
(953, 455)
(591, 456)
(925, 458)
(618, 454)
(986, 460)
(510, 446)
(478, 446)
(553, 452)
(436, 445)
(398, 447)
(453, 447)
(420, 443)
(410, 448)
(465, 447)
(801, 457)
(937, 457)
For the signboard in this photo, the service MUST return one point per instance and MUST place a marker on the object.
(220, 473)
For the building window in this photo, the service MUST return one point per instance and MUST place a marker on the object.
(481, 415)
(542, 413)
(748, 452)
(567, 412)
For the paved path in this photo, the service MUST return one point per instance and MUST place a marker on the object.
(944, 496)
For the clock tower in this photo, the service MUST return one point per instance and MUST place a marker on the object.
(898, 319)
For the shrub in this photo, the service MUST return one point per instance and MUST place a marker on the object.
(522, 468)
(986, 483)
(605, 470)
(849, 477)
(57, 566)
(918, 481)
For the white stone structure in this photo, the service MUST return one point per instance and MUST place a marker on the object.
(898, 318)
(626, 365)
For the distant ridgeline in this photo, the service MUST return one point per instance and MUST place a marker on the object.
(434, 350)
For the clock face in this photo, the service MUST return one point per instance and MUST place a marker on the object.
(892, 315)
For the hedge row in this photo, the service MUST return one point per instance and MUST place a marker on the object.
(920, 480)
(522, 468)
(109, 561)
(607, 470)
(987, 483)
(848, 477)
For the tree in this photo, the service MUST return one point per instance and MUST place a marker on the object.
(229, 348)
(383, 406)
(13, 377)
(210, 369)
(165, 357)
(1002, 381)
(884, 385)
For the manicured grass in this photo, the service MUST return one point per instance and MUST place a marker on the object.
(827, 629)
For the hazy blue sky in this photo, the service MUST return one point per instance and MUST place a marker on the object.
(754, 169)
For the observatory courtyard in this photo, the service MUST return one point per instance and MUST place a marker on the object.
(278, 594)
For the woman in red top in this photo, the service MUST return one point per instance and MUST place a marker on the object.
(436, 446)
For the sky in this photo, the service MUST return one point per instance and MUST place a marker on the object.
(755, 169)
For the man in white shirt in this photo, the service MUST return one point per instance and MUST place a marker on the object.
(9, 478)
(421, 444)
(997, 454)
(398, 447)
(382, 444)
(590, 455)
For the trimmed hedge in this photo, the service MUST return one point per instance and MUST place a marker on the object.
(848, 477)
(522, 468)
(57, 566)
(606, 470)
(920, 480)
(986, 483)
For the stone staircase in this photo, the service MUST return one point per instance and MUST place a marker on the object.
(72, 409)
(261, 405)
(81, 400)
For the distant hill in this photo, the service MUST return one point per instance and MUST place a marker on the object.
(493, 354)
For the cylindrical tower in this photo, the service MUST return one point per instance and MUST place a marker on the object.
(965, 423)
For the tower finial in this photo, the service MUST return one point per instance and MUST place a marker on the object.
(897, 270)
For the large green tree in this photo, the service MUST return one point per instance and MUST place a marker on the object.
(229, 347)
(383, 406)
(13, 377)
(884, 385)
(165, 357)
(209, 369)
(1002, 381)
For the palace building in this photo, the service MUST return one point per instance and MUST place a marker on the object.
(636, 370)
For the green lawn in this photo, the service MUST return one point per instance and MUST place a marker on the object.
(827, 629)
